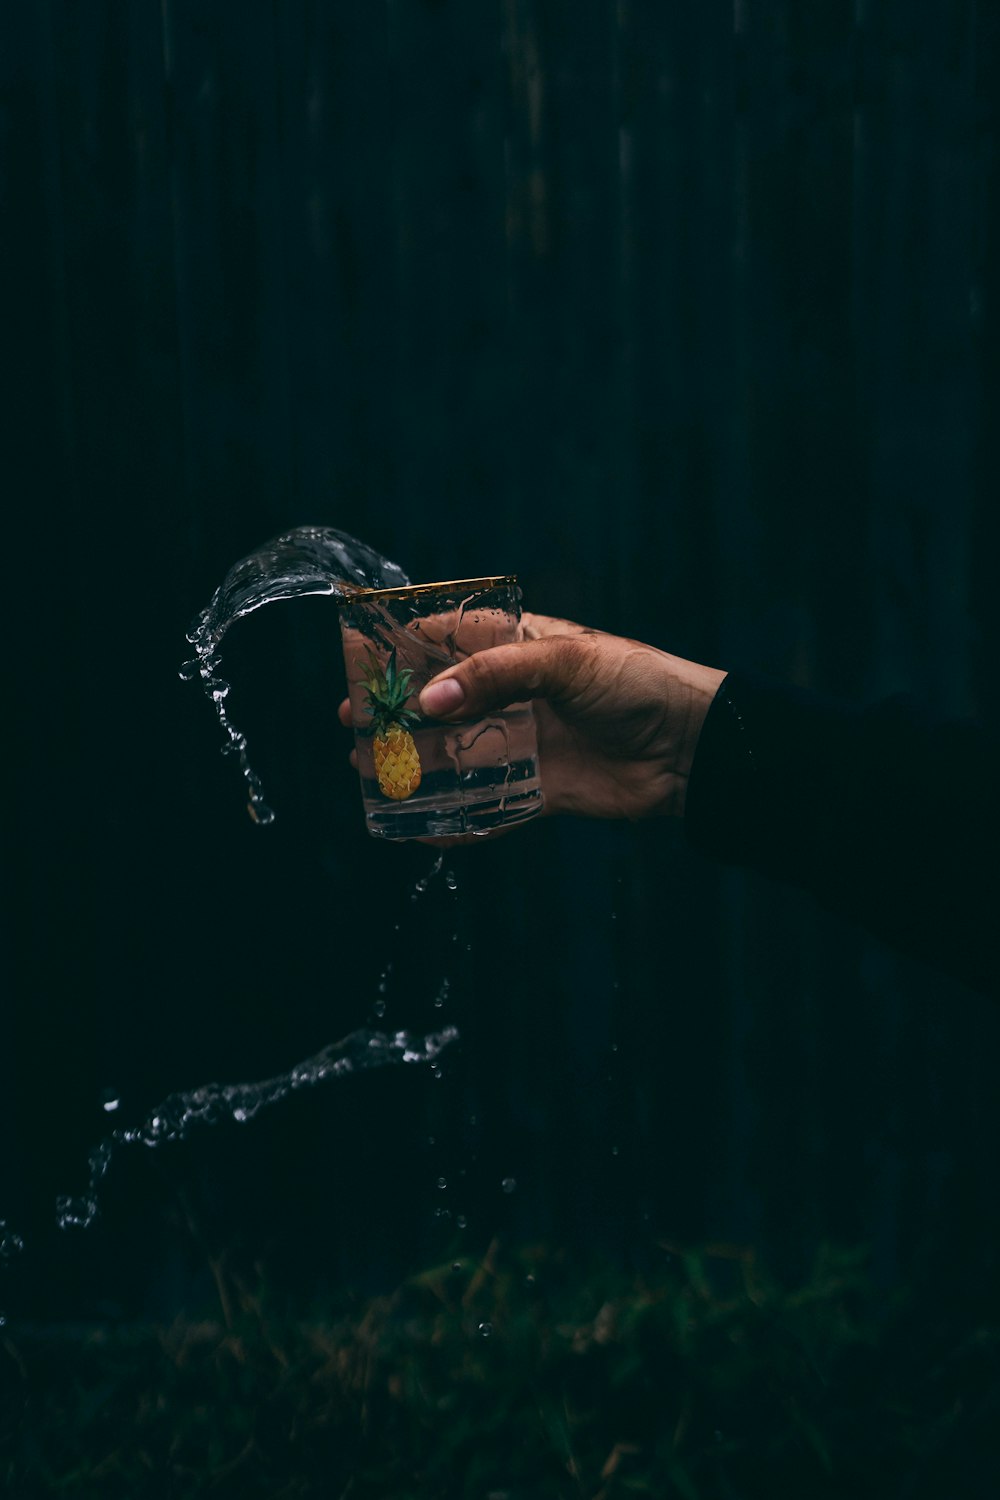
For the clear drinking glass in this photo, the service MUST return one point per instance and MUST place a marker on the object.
(425, 778)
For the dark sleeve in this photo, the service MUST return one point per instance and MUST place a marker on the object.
(887, 815)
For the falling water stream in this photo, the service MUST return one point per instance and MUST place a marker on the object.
(308, 560)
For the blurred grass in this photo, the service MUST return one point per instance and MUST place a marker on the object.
(524, 1374)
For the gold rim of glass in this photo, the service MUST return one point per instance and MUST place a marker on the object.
(412, 590)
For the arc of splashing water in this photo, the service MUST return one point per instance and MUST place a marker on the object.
(307, 560)
(212, 1102)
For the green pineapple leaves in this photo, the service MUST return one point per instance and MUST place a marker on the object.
(386, 691)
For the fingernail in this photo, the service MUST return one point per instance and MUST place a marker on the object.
(442, 697)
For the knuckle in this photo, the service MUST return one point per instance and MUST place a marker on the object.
(573, 657)
(482, 678)
(552, 667)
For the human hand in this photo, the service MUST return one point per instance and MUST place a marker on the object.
(618, 721)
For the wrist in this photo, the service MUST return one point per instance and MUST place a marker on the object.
(691, 689)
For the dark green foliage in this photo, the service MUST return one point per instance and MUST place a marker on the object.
(525, 1375)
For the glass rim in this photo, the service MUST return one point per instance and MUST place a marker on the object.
(413, 590)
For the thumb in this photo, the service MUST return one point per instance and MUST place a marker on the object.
(493, 679)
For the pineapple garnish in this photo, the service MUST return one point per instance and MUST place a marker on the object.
(397, 764)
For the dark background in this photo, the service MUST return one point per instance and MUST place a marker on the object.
(687, 314)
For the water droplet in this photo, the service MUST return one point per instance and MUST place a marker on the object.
(189, 670)
(486, 1329)
(614, 1150)
(509, 1184)
(442, 1183)
(614, 1046)
(431, 1140)
(110, 1101)
(456, 1265)
(450, 881)
(240, 1115)
(76, 1213)
(11, 1243)
(379, 1007)
(461, 1221)
(530, 1278)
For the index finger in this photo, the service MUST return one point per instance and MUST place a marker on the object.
(535, 627)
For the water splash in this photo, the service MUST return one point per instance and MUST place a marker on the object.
(307, 560)
(213, 1102)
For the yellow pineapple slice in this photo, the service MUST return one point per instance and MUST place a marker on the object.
(397, 763)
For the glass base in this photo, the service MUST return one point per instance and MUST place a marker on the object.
(481, 817)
